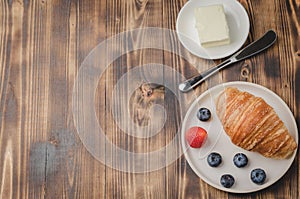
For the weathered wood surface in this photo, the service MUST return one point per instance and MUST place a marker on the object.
(43, 44)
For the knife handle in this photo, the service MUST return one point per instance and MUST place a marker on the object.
(256, 47)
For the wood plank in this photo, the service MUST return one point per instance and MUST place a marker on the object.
(139, 14)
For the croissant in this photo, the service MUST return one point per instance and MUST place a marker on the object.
(253, 125)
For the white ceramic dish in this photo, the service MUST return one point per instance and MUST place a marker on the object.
(238, 23)
(218, 141)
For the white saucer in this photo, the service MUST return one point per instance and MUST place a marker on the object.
(238, 23)
(218, 141)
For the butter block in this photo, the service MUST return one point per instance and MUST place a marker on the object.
(212, 26)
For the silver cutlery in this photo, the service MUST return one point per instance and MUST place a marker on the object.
(252, 49)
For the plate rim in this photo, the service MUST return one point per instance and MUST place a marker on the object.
(227, 84)
(206, 56)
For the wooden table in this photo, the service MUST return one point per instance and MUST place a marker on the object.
(43, 47)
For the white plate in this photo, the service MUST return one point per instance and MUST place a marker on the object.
(218, 141)
(238, 23)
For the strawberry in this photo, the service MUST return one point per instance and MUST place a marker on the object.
(196, 136)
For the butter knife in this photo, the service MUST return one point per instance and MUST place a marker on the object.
(255, 47)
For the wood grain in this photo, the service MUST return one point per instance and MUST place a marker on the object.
(42, 46)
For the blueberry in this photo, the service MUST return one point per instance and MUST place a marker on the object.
(258, 176)
(214, 159)
(240, 160)
(227, 180)
(203, 114)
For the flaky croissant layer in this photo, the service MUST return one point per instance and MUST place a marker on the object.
(253, 125)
